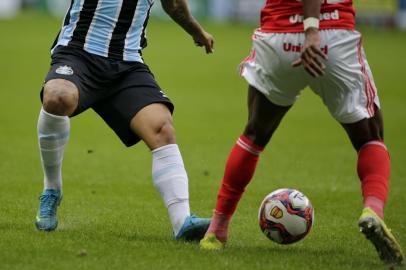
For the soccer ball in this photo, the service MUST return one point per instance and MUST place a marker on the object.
(286, 216)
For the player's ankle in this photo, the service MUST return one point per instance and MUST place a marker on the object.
(219, 226)
(375, 204)
(221, 235)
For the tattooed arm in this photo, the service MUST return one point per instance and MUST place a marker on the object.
(179, 11)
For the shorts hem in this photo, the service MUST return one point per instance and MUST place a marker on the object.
(353, 119)
(261, 88)
(130, 141)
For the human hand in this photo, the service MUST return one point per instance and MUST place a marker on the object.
(204, 39)
(312, 57)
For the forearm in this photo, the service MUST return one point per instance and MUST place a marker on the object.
(311, 8)
(179, 11)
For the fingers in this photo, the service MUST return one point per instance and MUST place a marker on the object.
(319, 52)
(297, 63)
(311, 61)
(312, 64)
(208, 49)
(208, 44)
(313, 70)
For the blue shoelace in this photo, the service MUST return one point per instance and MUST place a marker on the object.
(48, 204)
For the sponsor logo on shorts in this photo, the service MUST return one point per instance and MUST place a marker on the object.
(163, 94)
(289, 47)
(328, 16)
(64, 70)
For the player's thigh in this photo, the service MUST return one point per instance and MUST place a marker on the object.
(347, 89)
(269, 67)
(60, 92)
(263, 117)
(150, 122)
(139, 110)
(72, 83)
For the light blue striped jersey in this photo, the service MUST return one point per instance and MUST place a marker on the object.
(109, 28)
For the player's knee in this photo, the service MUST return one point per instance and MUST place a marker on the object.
(360, 142)
(159, 132)
(165, 132)
(365, 131)
(60, 97)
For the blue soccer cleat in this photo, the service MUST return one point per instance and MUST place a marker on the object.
(193, 229)
(47, 219)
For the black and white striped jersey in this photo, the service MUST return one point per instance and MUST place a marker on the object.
(109, 28)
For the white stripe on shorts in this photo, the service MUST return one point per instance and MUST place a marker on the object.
(369, 90)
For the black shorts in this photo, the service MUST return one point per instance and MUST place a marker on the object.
(115, 89)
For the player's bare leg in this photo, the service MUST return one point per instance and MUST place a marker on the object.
(263, 119)
(153, 124)
(374, 171)
(60, 99)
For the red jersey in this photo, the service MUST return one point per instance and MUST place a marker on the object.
(286, 16)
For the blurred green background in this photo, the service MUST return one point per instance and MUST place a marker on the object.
(387, 13)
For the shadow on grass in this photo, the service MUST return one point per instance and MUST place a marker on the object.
(332, 257)
(142, 237)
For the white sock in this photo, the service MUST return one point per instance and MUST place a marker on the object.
(170, 179)
(53, 134)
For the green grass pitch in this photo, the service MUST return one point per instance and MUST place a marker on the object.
(111, 216)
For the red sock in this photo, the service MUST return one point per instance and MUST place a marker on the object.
(239, 171)
(374, 171)
(240, 168)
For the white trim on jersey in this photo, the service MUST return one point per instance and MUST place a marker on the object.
(110, 34)
(91, 27)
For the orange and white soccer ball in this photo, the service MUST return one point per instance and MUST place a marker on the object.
(286, 216)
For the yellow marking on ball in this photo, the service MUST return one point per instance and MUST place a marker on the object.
(276, 212)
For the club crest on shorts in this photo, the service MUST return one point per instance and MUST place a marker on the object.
(64, 70)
